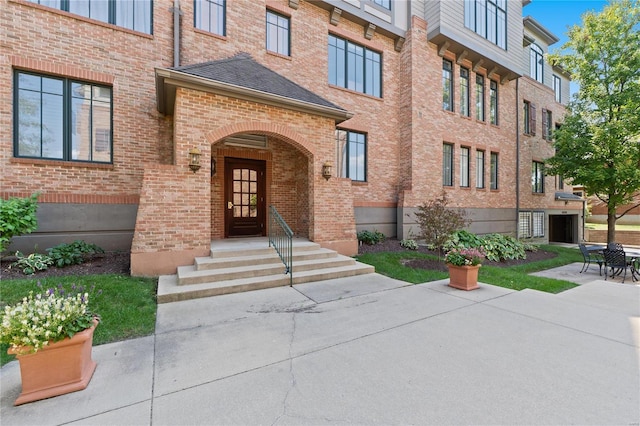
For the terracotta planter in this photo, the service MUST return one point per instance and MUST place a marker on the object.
(463, 277)
(58, 368)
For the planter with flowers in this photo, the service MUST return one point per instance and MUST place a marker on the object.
(464, 264)
(51, 335)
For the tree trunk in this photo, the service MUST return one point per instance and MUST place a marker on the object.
(611, 226)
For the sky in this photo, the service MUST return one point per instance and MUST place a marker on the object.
(558, 15)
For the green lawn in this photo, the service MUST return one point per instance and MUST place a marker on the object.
(126, 305)
(514, 277)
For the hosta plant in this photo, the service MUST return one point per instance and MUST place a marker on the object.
(42, 318)
(32, 263)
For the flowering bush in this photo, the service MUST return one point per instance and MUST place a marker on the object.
(465, 256)
(37, 320)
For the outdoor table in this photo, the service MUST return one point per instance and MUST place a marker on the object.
(596, 248)
(634, 256)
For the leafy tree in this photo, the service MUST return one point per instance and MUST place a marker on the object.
(598, 145)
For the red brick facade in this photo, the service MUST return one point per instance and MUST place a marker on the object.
(179, 211)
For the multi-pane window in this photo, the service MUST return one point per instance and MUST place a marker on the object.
(547, 122)
(354, 67)
(479, 169)
(464, 166)
(210, 16)
(536, 63)
(537, 177)
(479, 97)
(529, 118)
(447, 85)
(384, 3)
(493, 102)
(277, 33)
(557, 88)
(135, 15)
(62, 119)
(464, 92)
(487, 18)
(531, 224)
(352, 151)
(447, 164)
(494, 171)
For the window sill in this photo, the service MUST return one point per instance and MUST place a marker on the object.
(60, 163)
(359, 183)
(210, 34)
(354, 92)
(279, 55)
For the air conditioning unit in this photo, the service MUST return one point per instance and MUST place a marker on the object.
(247, 141)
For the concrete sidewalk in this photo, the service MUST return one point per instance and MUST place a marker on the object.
(367, 350)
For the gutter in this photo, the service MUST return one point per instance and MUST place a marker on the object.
(517, 158)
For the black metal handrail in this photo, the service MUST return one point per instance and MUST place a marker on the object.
(281, 238)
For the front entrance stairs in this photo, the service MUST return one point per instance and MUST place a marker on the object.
(237, 265)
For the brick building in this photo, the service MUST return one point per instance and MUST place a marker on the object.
(102, 102)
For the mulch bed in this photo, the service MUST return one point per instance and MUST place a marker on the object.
(106, 263)
(118, 262)
(393, 245)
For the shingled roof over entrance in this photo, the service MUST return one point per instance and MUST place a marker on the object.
(241, 76)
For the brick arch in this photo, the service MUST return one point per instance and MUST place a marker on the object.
(262, 128)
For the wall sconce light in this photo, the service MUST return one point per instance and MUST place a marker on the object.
(194, 159)
(326, 170)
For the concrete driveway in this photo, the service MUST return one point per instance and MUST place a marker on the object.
(367, 350)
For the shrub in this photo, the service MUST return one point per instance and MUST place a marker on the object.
(371, 237)
(17, 217)
(463, 239)
(499, 247)
(409, 244)
(32, 263)
(437, 222)
(73, 253)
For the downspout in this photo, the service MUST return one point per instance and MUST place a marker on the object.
(517, 158)
(176, 33)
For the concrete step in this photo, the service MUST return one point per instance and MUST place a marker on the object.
(191, 275)
(170, 291)
(268, 257)
(227, 249)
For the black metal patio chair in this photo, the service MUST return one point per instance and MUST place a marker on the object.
(616, 263)
(590, 257)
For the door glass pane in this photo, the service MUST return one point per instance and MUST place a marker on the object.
(245, 193)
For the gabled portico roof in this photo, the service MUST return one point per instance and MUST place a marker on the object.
(242, 77)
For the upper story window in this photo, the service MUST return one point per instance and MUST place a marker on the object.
(494, 171)
(487, 18)
(479, 169)
(210, 16)
(384, 3)
(536, 63)
(278, 33)
(479, 97)
(447, 164)
(62, 119)
(557, 88)
(493, 102)
(464, 166)
(547, 123)
(529, 118)
(537, 177)
(464, 92)
(352, 147)
(354, 67)
(135, 15)
(447, 85)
